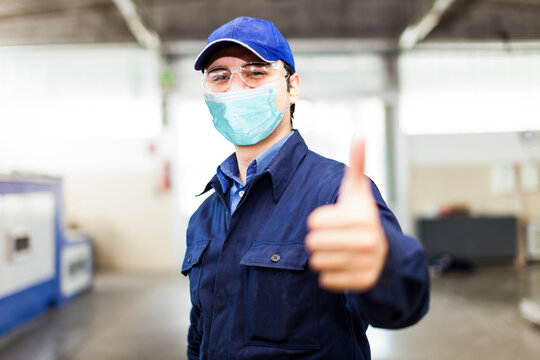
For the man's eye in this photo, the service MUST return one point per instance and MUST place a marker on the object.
(256, 72)
(218, 77)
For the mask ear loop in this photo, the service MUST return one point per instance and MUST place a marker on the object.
(284, 110)
(290, 90)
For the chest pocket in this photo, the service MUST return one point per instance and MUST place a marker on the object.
(281, 297)
(192, 266)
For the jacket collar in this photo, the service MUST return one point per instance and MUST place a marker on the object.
(281, 169)
(285, 163)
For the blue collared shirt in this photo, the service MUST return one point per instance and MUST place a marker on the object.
(253, 294)
(229, 177)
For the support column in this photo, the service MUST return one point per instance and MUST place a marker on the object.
(397, 148)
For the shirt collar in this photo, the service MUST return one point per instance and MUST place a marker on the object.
(281, 166)
(227, 171)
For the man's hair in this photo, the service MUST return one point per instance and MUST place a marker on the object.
(290, 72)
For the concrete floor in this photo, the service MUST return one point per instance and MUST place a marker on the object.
(133, 316)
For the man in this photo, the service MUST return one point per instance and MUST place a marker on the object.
(292, 256)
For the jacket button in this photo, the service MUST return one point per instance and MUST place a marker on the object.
(275, 257)
(189, 260)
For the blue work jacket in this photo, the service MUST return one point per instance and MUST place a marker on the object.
(252, 292)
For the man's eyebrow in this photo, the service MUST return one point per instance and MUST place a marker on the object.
(254, 62)
(210, 68)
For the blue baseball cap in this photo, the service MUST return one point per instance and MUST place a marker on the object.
(259, 36)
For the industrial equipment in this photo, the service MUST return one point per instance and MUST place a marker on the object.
(40, 267)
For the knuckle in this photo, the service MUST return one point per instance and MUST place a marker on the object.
(308, 240)
(313, 216)
(359, 245)
(314, 262)
(325, 280)
(365, 280)
(331, 283)
(312, 240)
(371, 280)
(359, 263)
(370, 243)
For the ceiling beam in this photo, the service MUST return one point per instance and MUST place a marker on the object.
(144, 36)
(417, 32)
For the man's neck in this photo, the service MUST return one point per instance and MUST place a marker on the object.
(245, 154)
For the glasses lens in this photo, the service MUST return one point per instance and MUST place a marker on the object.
(257, 74)
(217, 79)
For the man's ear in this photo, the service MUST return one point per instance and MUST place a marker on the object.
(294, 88)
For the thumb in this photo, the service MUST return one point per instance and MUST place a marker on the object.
(355, 182)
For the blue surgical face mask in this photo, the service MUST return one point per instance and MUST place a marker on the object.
(245, 117)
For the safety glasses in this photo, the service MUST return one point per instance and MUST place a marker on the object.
(253, 74)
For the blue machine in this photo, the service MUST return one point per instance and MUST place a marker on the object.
(40, 267)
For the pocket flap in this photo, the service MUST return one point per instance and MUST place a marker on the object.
(277, 256)
(193, 255)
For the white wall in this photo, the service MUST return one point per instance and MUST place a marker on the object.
(474, 149)
(90, 91)
(469, 92)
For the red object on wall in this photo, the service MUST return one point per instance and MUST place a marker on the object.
(152, 148)
(165, 180)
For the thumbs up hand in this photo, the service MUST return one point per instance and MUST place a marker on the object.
(347, 242)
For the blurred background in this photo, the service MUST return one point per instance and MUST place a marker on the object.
(105, 140)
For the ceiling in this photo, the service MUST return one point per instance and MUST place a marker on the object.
(31, 22)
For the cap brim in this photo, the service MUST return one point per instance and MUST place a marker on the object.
(204, 55)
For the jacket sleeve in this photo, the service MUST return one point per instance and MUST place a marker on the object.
(401, 295)
(194, 335)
